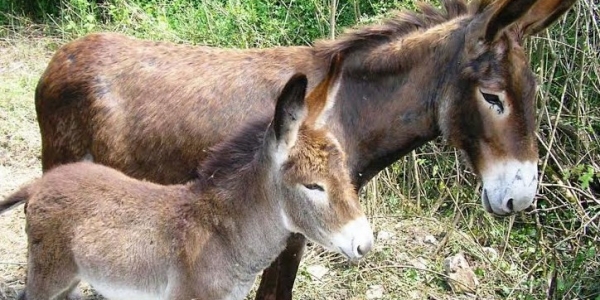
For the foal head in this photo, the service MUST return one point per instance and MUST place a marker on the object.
(309, 169)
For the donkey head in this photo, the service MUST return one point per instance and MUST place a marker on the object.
(317, 196)
(493, 119)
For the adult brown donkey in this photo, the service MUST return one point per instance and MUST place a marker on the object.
(207, 239)
(147, 108)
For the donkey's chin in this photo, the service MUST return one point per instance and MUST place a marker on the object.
(509, 186)
(355, 239)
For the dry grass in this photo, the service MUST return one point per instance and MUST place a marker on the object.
(549, 252)
(21, 62)
(407, 265)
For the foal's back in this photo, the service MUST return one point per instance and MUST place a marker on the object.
(128, 226)
(85, 199)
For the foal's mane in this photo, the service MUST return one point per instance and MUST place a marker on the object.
(234, 155)
(400, 24)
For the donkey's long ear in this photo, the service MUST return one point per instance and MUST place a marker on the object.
(290, 111)
(504, 13)
(542, 14)
(531, 16)
(322, 99)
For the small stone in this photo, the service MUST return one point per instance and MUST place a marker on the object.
(375, 292)
(491, 253)
(419, 263)
(383, 235)
(415, 295)
(430, 239)
(317, 271)
(403, 256)
(461, 279)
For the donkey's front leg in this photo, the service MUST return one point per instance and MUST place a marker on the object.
(278, 279)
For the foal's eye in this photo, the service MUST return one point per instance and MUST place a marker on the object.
(314, 186)
(494, 100)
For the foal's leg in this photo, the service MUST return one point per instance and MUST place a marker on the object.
(43, 288)
(68, 294)
(178, 290)
(278, 279)
(50, 274)
(71, 293)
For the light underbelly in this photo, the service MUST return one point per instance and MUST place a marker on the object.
(116, 291)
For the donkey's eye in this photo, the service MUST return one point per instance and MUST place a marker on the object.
(494, 100)
(314, 186)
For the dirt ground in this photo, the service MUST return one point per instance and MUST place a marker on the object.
(13, 243)
(406, 263)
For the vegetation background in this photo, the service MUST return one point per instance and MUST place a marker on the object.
(549, 252)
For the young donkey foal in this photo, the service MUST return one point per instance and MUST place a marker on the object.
(207, 239)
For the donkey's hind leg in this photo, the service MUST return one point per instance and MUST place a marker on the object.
(49, 276)
(59, 288)
(69, 294)
(72, 293)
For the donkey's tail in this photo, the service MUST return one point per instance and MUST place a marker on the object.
(15, 199)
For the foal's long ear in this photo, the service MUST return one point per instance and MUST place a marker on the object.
(290, 111)
(542, 14)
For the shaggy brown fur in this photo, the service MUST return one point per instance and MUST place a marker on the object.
(148, 108)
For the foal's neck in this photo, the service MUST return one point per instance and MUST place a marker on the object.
(236, 188)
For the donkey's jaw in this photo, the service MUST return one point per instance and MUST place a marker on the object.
(509, 186)
(355, 239)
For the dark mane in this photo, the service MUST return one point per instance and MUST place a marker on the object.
(235, 154)
(401, 24)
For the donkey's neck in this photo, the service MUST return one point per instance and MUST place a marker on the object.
(388, 108)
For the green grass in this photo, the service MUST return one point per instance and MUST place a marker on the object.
(20, 69)
(550, 250)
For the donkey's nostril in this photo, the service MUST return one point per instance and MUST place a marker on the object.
(363, 249)
(509, 204)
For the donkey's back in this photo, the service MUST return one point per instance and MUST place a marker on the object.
(147, 108)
